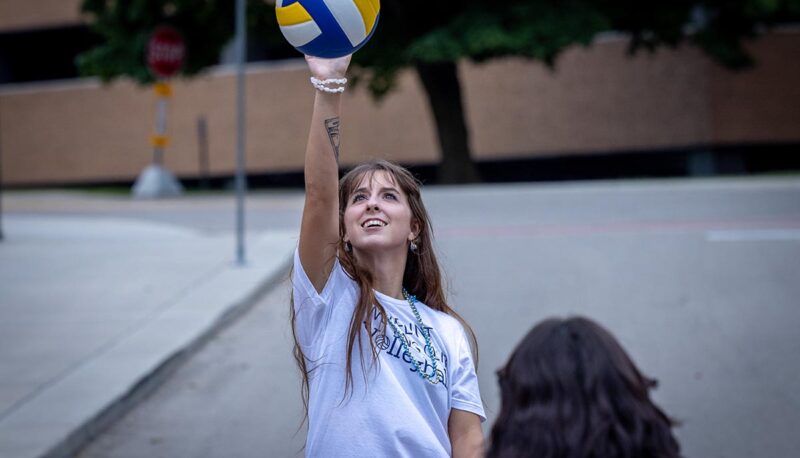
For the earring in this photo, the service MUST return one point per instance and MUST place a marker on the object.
(348, 247)
(412, 246)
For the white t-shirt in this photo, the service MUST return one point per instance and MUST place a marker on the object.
(395, 413)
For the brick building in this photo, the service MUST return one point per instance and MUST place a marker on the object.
(671, 107)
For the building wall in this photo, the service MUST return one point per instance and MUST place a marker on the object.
(86, 132)
(596, 100)
(762, 104)
(33, 14)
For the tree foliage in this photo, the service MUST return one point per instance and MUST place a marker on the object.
(207, 26)
(430, 31)
(431, 36)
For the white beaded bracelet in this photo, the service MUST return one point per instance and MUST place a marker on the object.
(321, 85)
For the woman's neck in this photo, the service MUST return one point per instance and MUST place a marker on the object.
(387, 269)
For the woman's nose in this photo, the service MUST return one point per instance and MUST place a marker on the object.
(372, 203)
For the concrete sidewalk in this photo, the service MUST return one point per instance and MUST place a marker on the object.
(94, 311)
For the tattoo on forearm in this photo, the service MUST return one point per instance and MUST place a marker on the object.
(332, 126)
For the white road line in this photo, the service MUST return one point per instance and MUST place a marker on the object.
(754, 235)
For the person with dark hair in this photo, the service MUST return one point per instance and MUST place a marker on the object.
(386, 363)
(569, 390)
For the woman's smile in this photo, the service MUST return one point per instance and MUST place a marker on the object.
(373, 223)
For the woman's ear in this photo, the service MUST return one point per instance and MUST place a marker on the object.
(415, 228)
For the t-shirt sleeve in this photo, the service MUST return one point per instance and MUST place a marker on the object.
(312, 309)
(465, 392)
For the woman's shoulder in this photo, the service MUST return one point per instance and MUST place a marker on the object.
(446, 322)
(338, 279)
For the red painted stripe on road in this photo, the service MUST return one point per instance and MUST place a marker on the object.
(534, 230)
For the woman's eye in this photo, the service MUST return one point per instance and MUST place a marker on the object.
(358, 197)
(389, 195)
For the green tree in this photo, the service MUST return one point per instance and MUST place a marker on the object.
(125, 25)
(432, 36)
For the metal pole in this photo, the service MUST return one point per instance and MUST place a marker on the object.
(1, 186)
(241, 41)
(202, 150)
(161, 129)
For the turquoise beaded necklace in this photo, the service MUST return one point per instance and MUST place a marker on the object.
(432, 379)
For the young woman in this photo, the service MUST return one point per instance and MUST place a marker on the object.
(570, 390)
(386, 364)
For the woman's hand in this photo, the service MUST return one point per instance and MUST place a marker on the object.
(328, 68)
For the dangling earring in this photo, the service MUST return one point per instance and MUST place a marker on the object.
(412, 246)
(348, 247)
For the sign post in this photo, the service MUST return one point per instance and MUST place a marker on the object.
(241, 185)
(165, 54)
(1, 193)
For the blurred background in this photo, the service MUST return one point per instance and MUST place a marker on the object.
(530, 90)
(635, 162)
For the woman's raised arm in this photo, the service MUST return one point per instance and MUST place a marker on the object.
(319, 230)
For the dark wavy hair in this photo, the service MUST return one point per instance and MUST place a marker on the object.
(570, 390)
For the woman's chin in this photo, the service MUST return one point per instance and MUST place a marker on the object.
(378, 246)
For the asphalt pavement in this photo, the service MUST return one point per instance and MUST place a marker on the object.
(697, 278)
(102, 296)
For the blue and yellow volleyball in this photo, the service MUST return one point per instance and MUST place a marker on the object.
(327, 28)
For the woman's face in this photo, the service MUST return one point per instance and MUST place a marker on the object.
(377, 215)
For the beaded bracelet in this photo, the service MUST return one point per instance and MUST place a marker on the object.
(321, 85)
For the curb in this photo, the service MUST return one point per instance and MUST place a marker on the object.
(151, 381)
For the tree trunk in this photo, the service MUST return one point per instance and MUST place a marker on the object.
(440, 81)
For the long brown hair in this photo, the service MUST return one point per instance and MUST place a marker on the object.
(421, 277)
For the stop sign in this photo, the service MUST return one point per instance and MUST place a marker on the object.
(165, 52)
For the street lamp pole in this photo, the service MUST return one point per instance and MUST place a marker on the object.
(241, 41)
(1, 187)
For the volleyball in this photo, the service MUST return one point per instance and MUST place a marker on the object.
(327, 28)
